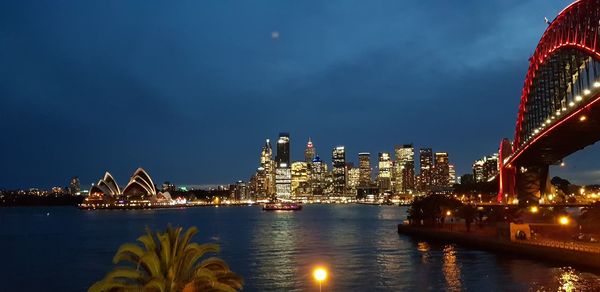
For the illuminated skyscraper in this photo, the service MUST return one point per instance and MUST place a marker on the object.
(426, 169)
(300, 180)
(309, 153)
(364, 166)
(486, 168)
(452, 175)
(283, 150)
(405, 168)
(441, 170)
(339, 170)
(353, 180)
(384, 177)
(318, 178)
(283, 173)
(266, 172)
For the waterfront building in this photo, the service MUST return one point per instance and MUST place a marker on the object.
(309, 152)
(283, 172)
(384, 176)
(239, 191)
(338, 161)
(441, 173)
(353, 180)
(300, 186)
(140, 186)
(107, 186)
(486, 168)
(318, 178)
(405, 168)
(425, 169)
(259, 185)
(364, 166)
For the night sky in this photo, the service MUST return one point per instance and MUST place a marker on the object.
(189, 90)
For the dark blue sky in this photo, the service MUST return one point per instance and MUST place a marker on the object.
(189, 90)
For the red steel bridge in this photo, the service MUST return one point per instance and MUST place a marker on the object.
(559, 112)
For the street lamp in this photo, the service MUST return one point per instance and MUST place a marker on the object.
(534, 209)
(320, 275)
(563, 220)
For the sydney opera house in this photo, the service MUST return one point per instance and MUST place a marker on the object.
(139, 192)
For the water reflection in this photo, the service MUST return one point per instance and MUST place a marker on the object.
(423, 247)
(568, 280)
(451, 269)
(273, 248)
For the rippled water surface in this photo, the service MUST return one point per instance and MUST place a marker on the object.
(65, 249)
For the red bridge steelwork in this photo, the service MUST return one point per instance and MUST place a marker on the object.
(558, 112)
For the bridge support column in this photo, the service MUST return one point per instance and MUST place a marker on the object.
(532, 183)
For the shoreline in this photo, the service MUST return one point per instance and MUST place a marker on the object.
(494, 244)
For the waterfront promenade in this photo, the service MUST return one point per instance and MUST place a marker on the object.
(487, 238)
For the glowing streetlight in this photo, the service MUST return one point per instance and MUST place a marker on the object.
(320, 275)
(448, 213)
(582, 118)
(563, 220)
(534, 209)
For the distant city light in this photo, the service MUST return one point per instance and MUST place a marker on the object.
(586, 92)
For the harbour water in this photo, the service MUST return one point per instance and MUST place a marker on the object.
(66, 249)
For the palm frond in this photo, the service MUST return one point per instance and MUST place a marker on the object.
(128, 252)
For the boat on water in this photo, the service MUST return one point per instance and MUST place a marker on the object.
(282, 206)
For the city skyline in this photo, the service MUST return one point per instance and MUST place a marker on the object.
(56, 106)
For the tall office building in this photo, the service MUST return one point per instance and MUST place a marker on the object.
(266, 172)
(318, 178)
(405, 168)
(283, 172)
(338, 160)
(364, 166)
(426, 169)
(283, 150)
(486, 168)
(441, 174)
(353, 180)
(309, 153)
(384, 177)
(452, 175)
(300, 180)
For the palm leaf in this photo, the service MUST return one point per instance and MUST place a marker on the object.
(157, 284)
(128, 252)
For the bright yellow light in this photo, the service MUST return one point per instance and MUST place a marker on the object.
(448, 213)
(582, 118)
(563, 220)
(534, 209)
(320, 274)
